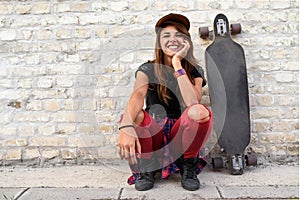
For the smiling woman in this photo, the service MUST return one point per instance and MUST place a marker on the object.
(168, 135)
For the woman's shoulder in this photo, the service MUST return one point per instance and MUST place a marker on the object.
(199, 72)
(198, 69)
(198, 66)
(147, 68)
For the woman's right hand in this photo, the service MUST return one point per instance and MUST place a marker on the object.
(128, 143)
(182, 53)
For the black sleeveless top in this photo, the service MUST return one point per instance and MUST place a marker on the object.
(155, 106)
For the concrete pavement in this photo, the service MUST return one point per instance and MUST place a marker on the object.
(108, 181)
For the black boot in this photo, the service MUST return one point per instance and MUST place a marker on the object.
(179, 163)
(189, 180)
(146, 178)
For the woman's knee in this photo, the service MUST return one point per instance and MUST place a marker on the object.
(198, 113)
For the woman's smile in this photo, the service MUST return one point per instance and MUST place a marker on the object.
(173, 47)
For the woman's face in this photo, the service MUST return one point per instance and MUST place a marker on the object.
(171, 40)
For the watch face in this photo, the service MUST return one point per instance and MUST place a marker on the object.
(179, 73)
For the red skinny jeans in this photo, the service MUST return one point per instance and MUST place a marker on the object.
(187, 136)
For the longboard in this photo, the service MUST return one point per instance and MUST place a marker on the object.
(228, 89)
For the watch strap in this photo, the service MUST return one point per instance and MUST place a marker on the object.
(179, 72)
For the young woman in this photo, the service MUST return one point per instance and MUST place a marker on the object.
(168, 135)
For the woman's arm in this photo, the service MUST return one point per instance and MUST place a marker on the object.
(190, 93)
(128, 141)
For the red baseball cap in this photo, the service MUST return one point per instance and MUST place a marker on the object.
(173, 17)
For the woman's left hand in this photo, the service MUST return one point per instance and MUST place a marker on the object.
(182, 53)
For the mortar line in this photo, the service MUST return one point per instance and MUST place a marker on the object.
(220, 193)
(120, 193)
(23, 192)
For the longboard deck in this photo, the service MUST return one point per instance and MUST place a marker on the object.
(228, 87)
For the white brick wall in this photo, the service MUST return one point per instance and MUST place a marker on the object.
(66, 72)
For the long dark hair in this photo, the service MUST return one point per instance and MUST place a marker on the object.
(187, 63)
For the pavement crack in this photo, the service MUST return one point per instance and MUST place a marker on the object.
(120, 193)
(219, 191)
(23, 192)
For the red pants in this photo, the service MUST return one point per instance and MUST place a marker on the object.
(187, 136)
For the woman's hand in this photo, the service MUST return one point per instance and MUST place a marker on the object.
(128, 143)
(181, 54)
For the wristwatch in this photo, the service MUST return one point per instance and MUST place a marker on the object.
(179, 73)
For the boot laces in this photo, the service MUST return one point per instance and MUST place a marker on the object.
(145, 175)
(190, 172)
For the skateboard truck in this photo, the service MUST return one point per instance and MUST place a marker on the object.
(221, 27)
(236, 163)
(205, 33)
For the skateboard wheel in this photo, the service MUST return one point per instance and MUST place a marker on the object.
(204, 32)
(236, 28)
(217, 163)
(251, 160)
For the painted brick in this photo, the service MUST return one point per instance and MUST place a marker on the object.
(42, 8)
(62, 7)
(14, 142)
(6, 8)
(23, 9)
(139, 5)
(69, 154)
(47, 141)
(7, 35)
(50, 153)
(13, 154)
(46, 130)
(99, 6)
(25, 130)
(119, 6)
(86, 141)
(31, 154)
(81, 7)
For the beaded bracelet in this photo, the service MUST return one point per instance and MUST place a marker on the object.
(126, 126)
